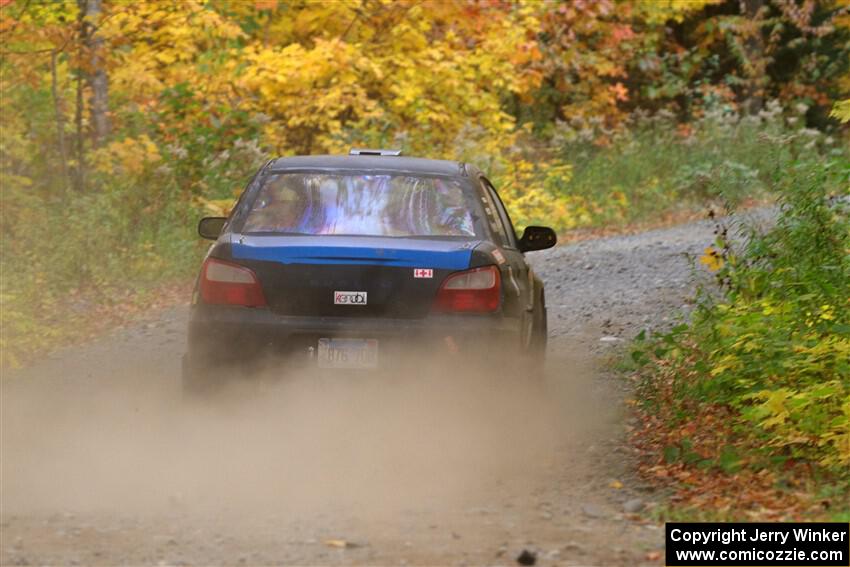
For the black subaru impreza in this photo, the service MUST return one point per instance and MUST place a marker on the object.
(342, 261)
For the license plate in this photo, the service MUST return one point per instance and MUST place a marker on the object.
(348, 353)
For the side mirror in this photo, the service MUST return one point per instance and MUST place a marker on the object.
(210, 227)
(537, 238)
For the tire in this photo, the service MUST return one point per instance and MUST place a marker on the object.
(537, 344)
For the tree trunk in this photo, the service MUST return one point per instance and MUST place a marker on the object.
(756, 64)
(60, 119)
(80, 169)
(96, 76)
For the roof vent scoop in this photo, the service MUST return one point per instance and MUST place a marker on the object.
(365, 152)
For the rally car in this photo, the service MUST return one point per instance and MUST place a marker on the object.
(344, 261)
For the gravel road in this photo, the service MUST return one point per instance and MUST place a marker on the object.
(102, 463)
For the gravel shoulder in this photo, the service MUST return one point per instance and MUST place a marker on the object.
(102, 464)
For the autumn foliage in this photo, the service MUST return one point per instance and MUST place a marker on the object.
(467, 80)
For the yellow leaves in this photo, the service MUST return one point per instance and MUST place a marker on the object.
(767, 307)
(787, 414)
(535, 192)
(330, 74)
(167, 57)
(10, 180)
(333, 72)
(387, 85)
(728, 362)
(841, 110)
(827, 313)
(314, 20)
(620, 198)
(711, 259)
(775, 404)
(839, 438)
(659, 11)
(157, 44)
(130, 156)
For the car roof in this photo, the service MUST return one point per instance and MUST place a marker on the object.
(371, 162)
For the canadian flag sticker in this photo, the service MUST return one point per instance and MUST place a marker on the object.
(423, 273)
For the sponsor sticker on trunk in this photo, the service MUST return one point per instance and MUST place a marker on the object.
(350, 298)
(423, 273)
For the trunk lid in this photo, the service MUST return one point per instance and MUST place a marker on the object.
(394, 277)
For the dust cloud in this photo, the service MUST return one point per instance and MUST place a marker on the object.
(425, 435)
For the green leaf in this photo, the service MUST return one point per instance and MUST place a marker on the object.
(729, 460)
(671, 454)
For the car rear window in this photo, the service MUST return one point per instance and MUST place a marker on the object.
(362, 204)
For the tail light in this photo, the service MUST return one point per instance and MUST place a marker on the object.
(230, 284)
(472, 291)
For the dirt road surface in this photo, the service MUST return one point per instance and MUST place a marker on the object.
(103, 465)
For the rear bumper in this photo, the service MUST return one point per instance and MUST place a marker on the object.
(236, 333)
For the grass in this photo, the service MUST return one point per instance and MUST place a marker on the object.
(655, 170)
(657, 167)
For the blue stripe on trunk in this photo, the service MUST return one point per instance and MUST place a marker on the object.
(451, 259)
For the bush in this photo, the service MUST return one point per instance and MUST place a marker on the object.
(767, 359)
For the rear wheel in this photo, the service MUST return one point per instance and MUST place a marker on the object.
(535, 354)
